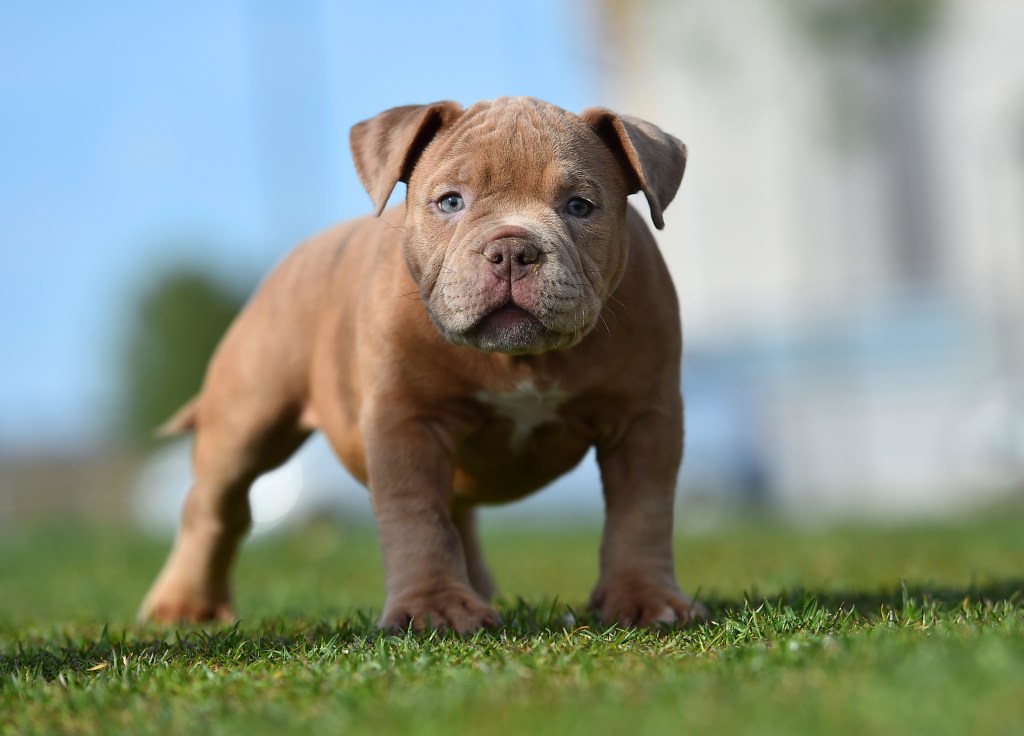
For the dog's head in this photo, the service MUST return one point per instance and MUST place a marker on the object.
(516, 211)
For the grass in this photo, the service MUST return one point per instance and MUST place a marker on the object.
(853, 629)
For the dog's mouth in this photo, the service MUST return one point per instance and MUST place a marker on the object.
(511, 329)
(508, 329)
(509, 316)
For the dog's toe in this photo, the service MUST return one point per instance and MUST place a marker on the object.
(639, 604)
(456, 609)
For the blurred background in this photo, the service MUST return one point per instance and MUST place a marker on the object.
(848, 242)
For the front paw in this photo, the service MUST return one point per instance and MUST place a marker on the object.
(638, 602)
(457, 608)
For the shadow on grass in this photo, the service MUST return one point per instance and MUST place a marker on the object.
(870, 603)
(150, 646)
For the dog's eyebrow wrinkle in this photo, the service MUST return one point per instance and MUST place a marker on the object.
(585, 184)
(567, 181)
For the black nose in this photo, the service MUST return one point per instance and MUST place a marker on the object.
(511, 258)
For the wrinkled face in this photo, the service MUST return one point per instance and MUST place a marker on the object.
(516, 227)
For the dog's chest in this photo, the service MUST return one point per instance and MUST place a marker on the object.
(527, 406)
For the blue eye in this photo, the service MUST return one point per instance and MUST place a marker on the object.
(451, 203)
(578, 207)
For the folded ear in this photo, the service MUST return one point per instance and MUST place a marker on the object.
(385, 148)
(654, 161)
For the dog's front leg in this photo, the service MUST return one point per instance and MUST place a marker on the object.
(410, 472)
(637, 583)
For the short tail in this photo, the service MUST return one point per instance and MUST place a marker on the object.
(183, 420)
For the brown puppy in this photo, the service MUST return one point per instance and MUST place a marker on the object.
(466, 348)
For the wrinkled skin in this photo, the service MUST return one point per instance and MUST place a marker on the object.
(559, 268)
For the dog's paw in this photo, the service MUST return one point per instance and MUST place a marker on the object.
(642, 603)
(178, 605)
(452, 609)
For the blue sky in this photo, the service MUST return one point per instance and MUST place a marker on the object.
(135, 136)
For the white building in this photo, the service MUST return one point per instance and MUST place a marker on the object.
(848, 242)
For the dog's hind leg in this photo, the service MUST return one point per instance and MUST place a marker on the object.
(194, 584)
(247, 420)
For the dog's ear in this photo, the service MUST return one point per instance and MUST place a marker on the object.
(385, 148)
(654, 161)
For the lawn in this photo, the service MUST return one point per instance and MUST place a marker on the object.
(849, 629)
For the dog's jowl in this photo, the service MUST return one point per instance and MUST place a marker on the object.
(466, 348)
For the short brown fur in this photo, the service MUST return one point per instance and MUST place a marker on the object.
(461, 358)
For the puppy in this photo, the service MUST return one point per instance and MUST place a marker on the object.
(466, 348)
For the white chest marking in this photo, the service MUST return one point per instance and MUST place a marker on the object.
(526, 406)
